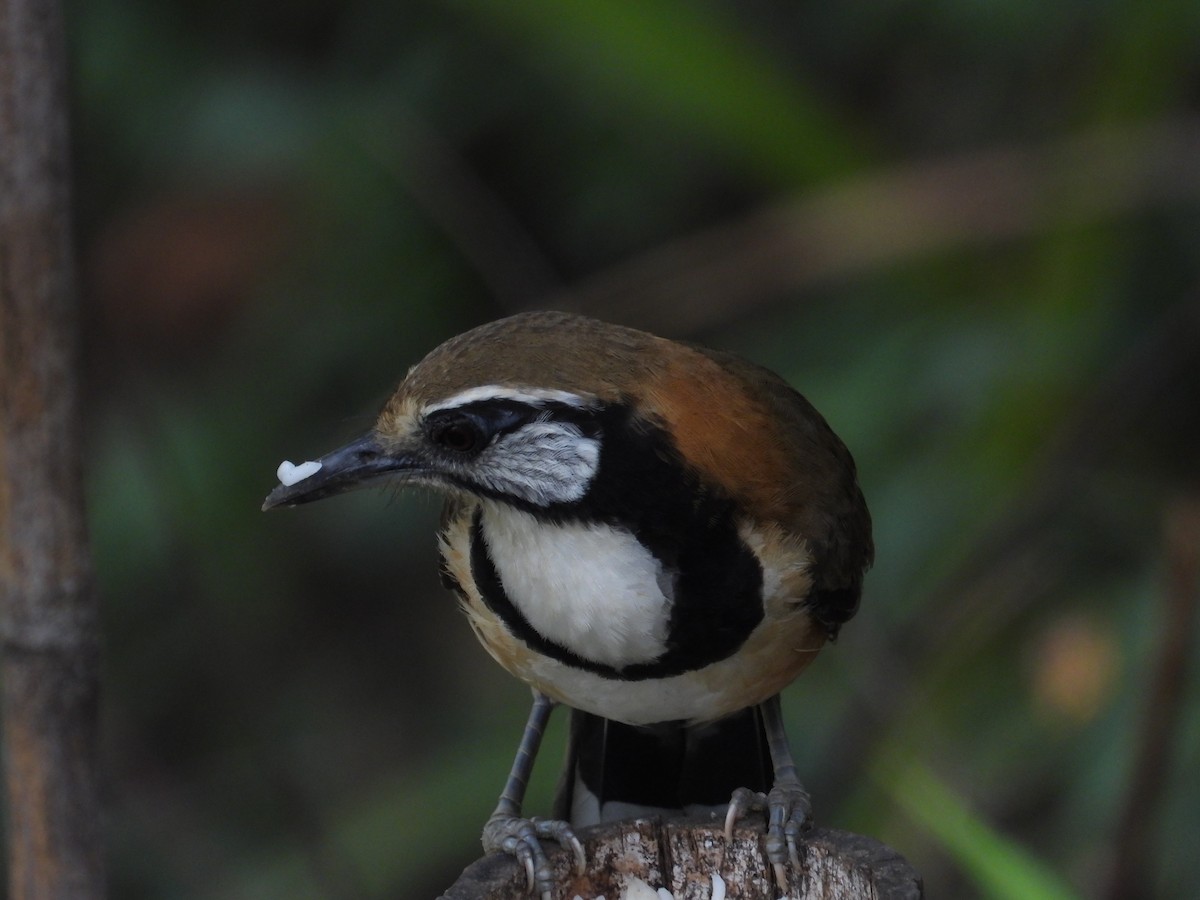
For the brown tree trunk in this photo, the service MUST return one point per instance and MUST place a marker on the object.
(48, 606)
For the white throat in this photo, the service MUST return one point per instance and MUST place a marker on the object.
(591, 588)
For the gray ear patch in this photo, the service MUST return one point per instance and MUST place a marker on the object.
(543, 463)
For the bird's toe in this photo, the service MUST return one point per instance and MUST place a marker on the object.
(522, 838)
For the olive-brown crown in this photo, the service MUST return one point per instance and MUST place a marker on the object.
(543, 350)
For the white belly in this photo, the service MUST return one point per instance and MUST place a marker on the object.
(590, 588)
(690, 696)
(772, 657)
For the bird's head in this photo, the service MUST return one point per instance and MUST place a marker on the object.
(514, 410)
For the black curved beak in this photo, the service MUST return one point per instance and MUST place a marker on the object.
(357, 464)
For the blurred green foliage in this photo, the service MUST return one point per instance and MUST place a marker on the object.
(280, 209)
(998, 867)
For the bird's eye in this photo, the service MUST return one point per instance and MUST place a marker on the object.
(457, 435)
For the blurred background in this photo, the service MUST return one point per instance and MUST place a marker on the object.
(968, 232)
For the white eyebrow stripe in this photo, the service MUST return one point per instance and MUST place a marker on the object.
(532, 396)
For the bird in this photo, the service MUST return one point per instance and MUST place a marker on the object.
(656, 535)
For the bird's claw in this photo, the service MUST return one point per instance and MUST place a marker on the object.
(789, 811)
(522, 838)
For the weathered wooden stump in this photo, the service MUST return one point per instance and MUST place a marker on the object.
(682, 855)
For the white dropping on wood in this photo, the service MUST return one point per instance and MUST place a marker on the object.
(636, 889)
(718, 887)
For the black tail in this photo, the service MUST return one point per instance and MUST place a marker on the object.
(615, 771)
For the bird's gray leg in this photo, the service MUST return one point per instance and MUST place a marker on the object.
(787, 805)
(508, 831)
